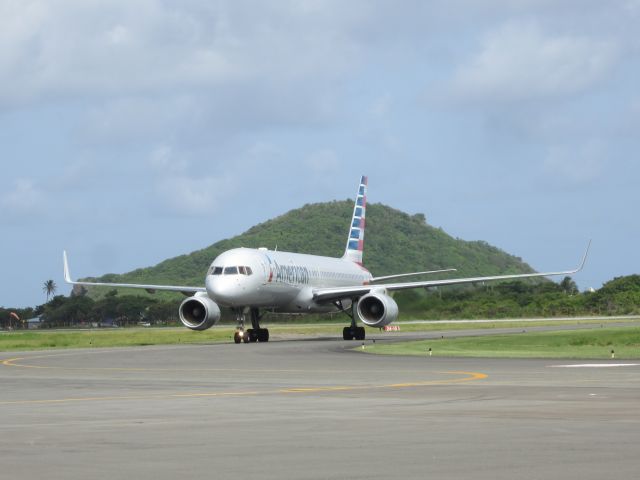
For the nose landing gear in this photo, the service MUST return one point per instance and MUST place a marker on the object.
(254, 334)
(240, 336)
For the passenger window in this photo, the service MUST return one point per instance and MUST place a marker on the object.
(231, 270)
(217, 270)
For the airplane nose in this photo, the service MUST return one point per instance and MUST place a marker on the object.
(213, 286)
(234, 290)
(222, 290)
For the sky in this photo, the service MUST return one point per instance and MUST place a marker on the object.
(135, 131)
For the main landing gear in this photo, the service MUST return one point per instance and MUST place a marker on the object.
(352, 332)
(254, 334)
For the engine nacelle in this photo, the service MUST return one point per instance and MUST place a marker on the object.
(199, 312)
(377, 309)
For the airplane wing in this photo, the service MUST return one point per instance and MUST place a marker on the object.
(338, 293)
(188, 291)
(412, 274)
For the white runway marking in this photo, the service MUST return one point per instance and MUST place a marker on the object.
(597, 365)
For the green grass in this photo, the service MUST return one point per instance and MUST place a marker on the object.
(40, 340)
(99, 338)
(585, 344)
(96, 338)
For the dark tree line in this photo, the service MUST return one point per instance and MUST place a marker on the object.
(620, 296)
(82, 310)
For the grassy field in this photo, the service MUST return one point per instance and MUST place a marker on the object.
(584, 344)
(96, 338)
(122, 337)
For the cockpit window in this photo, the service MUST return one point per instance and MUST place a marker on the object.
(242, 270)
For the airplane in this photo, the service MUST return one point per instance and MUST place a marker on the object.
(256, 281)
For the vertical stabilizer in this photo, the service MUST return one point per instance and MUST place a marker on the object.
(355, 242)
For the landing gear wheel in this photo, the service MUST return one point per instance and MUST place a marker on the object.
(240, 335)
(347, 333)
(263, 335)
(252, 335)
(353, 333)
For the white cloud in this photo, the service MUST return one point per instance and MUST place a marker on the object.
(262, 150)
(189, 196)
(119, 35)
(25, 198)
(181, 190)
(164, 162)
(52, 48)
(72, 47)
(633, 6)
(376, 123)
(518, 61)
(76, 175)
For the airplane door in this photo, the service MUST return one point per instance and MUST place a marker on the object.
(266, 272)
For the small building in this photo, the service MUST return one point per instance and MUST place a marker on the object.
(108, 323)
(35, 322)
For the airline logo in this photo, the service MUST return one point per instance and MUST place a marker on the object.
(292, 274)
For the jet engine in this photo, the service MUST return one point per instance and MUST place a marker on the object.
(199, 312)
(377, 309)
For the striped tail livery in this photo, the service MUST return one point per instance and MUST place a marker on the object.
(355, 242)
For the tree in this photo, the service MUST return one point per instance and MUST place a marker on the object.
(162, 313)
(568, 286)
(131, 308)
(67, 311)
(49, 288)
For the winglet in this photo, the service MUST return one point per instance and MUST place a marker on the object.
(67, 276)
(584, 257)
(582, 262)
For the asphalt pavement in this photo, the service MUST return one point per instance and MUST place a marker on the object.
(311, 409)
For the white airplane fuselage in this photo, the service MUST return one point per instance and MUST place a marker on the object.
(280, 281)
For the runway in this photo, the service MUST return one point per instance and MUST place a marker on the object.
(311, 409)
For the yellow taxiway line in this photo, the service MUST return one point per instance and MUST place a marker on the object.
(460, 378)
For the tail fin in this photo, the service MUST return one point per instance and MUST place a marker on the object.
(355, 242)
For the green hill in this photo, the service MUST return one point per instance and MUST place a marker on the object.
(395, 242)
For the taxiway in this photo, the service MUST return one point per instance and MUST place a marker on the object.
(310, 409)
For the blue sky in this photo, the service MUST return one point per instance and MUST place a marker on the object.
(131, 132)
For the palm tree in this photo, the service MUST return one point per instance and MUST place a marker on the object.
(49, 288)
